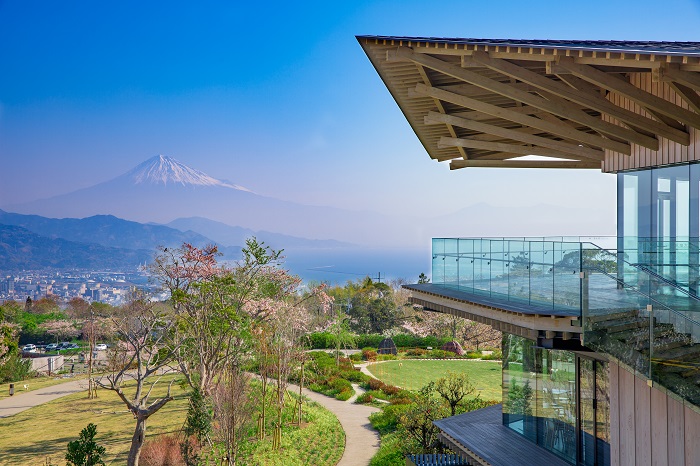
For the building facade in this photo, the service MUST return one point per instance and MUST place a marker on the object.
(601, 346)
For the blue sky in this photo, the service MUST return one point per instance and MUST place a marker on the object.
(275, 96)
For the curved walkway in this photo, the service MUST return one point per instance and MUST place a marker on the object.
(23, 401)
(361, 440)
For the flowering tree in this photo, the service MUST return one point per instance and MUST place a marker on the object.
(61, 329)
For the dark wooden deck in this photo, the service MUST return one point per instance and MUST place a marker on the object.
(482, 435)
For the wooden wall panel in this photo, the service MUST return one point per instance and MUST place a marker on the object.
(692, 436)
(627, 418)
(642, 422)
(614, 415)
(676, 432)
(659, 428)
(669, 152)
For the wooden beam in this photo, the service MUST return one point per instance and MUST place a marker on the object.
(562, 108)
(456, 164)
(673, 73)
(441, 109)
(560, 129)
(630, 91)
(589, 100)
(502, 147)
(688, 95)
(573, 149)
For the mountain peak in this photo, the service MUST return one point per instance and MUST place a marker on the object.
(162, 169)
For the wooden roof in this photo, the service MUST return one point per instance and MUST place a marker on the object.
(487, 102)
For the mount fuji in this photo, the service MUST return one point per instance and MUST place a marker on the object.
(162, 189)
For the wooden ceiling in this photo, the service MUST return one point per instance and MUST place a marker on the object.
(480, 105)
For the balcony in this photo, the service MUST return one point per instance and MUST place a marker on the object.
(637, 304)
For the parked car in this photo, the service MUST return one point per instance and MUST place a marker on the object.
(101, 347)
(72, 346)
(29, 348)
(52, 347)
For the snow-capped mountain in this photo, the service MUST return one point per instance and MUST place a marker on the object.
(162, 189)
(166, 170)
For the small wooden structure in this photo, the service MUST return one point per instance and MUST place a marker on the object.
(438, 459)
(387, 346)
(453, 347)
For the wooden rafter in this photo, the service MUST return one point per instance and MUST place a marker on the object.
(456, 164)
(688, 95)
(441, 109)
(515, 135)
(560, 129)
(561, 108)
(615, 84)
(503, 147)
(592, 100)
(675, 74)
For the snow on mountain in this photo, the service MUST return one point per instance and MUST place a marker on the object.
(162, 169)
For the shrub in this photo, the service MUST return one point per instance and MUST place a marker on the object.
(371, 340)
(440, 354)
(354, 376)
(345, 394)
(336, 383)
(163, 450)
(364, 398)
(356, 357)
(495, 356)
(416, 352)
(387, 419)
(369, 355)
(473, 355)
(85, 451)
(15, 369)
(321, 340)
(375, 384)
(386, 357)
(390, 390)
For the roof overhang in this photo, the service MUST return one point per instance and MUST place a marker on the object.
(489, 103)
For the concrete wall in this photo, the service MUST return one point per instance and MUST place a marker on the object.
(650, 426)
(46, 364)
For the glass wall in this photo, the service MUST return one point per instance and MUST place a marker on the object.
(658, 212)
(557, 399)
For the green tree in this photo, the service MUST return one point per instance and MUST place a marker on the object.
(454, 388)
(423, 278)
(197, 426)
(417, 422)
(85, 451)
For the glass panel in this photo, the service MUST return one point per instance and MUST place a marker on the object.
(559, 397)
(466, 265)
(587, 417)
(602, 395)
(519, 272)
(451, 263)
(519, 382)
(438, 261)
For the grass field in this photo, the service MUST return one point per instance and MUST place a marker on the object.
(34, 384)
(415, 373)
(31, 436)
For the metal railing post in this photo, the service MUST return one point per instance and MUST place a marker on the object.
(650, 309)
(584, 304)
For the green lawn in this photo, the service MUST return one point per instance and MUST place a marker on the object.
(415, 373)
(28, 438)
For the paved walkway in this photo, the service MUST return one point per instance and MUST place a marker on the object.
(22, 401)
(361, 440)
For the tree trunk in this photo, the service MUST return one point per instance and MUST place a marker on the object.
(137, 441)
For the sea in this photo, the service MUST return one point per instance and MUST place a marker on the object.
(338, 266)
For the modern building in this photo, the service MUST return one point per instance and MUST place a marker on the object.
(601, 346)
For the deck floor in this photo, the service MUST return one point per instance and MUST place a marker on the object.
(483, 433)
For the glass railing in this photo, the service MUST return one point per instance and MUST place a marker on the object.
(631, 310)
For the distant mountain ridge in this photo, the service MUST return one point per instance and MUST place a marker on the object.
(20, 249)
(161, 190)
(227, 234)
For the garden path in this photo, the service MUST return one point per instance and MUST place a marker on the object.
(22, 401)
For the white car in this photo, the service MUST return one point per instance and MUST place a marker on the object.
(29, 348)
(100, 347)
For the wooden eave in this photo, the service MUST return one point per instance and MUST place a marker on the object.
(554, 102)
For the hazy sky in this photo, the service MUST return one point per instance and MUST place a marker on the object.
(276, 96)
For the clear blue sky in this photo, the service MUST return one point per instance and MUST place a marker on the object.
(275, 96)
